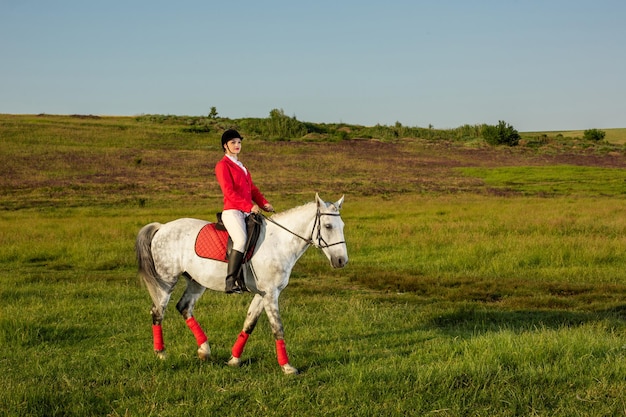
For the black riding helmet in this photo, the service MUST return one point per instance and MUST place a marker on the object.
(228, 135)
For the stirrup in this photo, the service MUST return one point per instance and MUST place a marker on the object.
(233, 287)
(240, 283)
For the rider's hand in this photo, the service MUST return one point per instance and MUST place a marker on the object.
(255, 209)
(268, 207)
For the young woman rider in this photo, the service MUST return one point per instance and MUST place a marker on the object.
(241, 197)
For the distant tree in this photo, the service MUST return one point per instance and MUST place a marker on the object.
(594, 135)
(502, 134)
(279, 125)
(213, 113)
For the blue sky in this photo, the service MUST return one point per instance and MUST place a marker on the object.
(538, 65)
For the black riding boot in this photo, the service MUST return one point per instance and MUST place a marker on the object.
(234, 266)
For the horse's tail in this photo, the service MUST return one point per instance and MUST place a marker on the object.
(147, 270)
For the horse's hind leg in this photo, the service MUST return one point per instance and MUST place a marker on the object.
(185, 306)
(254, 311)
(158, 312)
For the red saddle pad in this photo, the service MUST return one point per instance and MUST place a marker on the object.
(211, 243)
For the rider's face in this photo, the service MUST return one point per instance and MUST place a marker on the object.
(233, 146)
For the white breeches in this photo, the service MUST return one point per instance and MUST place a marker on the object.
(235, 223)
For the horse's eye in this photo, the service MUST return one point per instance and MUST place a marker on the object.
(328, 226)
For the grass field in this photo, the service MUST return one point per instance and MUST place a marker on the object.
(482, 281)
(617, 136)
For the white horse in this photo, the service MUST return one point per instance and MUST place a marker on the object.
(166, 251)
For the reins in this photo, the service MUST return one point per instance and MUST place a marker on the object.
(317, 224)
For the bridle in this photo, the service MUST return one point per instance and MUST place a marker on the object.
(321, 243)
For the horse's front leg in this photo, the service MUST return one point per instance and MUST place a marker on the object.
(254, 311)
(270, 303)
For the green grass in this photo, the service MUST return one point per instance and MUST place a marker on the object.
(88, 353)
(474, 287)
(466, 336)
(553, 180)
(616, 136)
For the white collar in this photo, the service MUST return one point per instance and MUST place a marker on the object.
(238, 162)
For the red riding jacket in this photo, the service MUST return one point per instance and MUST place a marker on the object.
(239, 191)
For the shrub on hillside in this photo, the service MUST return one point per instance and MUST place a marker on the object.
(594, 135)
(502, 134)
(282, 126)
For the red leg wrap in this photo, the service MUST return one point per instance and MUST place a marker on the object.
(240, 344)
(196, 330)
(281, 353)
(157, 336)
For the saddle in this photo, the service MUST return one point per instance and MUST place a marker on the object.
(213, 241)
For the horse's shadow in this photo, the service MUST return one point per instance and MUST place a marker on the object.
(462, 324)
(475, 322)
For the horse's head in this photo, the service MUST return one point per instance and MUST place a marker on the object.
(329, 234)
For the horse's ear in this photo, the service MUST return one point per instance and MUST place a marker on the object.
(320, 203)
(339, 203)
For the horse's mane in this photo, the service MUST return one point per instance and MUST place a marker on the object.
(291, 210)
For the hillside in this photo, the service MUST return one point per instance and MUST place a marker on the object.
(78, 160)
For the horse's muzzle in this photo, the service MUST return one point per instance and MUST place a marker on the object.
(339, 261)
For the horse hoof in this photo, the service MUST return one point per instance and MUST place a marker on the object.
(161, 354)
(234, 362)
(204, 351)
(289, 370)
